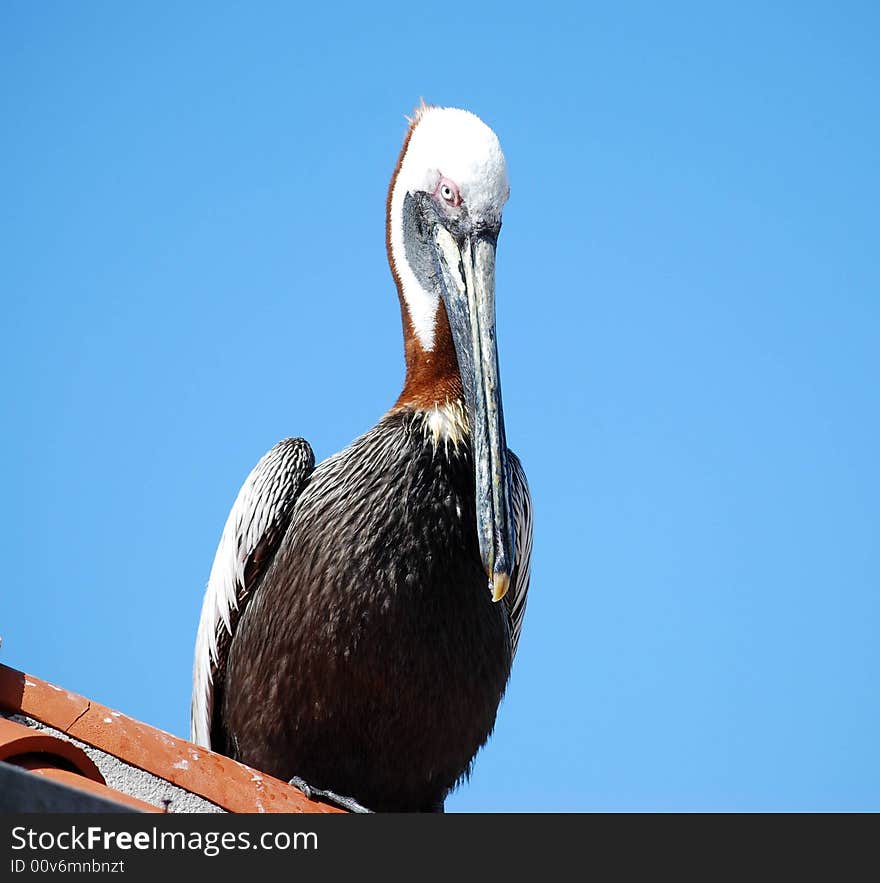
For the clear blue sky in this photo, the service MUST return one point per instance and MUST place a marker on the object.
(688, 294)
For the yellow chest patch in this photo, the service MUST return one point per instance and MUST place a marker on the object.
(446, 424)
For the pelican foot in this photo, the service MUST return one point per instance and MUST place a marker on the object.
(347, 803)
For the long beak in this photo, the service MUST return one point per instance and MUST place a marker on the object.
(468, 269)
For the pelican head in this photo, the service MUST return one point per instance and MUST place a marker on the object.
(444, 217)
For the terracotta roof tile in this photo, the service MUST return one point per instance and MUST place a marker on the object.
(17, 740)
(53, 758)
(231, 785)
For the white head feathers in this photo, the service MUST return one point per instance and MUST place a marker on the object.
(457, 146)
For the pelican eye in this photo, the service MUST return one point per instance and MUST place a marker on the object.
(448, 191)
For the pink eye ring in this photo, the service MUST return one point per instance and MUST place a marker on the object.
(448, 191)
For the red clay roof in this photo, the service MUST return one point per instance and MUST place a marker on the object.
(231, 785)
(46, 755)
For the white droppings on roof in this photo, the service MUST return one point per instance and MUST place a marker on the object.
(257, 779)
(28, 683)
(193, 754)
(108, 720)
(181, 765)
(115, 714)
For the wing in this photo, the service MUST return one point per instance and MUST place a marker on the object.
(521, 501)
(253, 531)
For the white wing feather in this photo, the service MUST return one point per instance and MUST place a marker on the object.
(256, 523)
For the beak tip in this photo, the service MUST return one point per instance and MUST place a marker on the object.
(499, 586)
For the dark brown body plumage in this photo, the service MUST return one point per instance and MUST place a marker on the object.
(371, 660)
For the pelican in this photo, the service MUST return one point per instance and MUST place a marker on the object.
(362, 615)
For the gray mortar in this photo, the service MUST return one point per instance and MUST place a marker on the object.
(128, 779)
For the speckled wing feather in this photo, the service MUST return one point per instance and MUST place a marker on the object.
(253, 531)
(521, 501)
